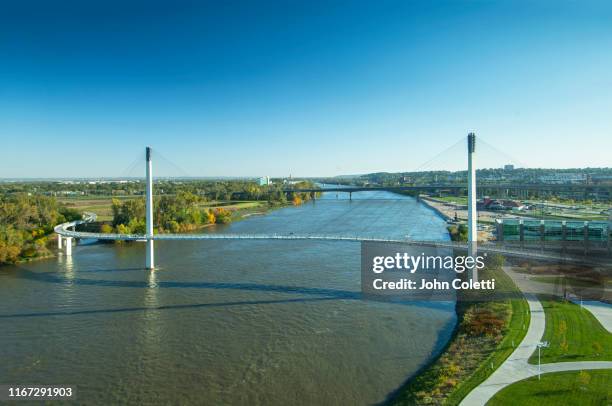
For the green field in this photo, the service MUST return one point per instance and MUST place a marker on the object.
(99, 205)
(574, 334)
(570, 281)
(462, 200)
(561, 388)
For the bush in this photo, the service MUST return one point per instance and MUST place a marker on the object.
(223, 216)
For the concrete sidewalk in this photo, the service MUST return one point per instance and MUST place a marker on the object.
(516, 367)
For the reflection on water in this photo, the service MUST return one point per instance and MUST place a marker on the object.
(243, 322)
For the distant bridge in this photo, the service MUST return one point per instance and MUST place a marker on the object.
(571, 188)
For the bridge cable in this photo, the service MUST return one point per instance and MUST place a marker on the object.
(137, 162)
(158, 155)
(452, 147)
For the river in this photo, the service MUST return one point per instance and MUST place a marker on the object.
(225, 322)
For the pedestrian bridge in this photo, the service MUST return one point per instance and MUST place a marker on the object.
(527, 251)
(67, 232)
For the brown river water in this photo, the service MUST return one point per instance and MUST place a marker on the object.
(225, 322)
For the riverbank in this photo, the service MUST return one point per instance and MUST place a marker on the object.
(456, 214)
(486, 334)
(50, 242)
(437, 207)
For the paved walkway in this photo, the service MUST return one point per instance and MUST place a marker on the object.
(516, 368)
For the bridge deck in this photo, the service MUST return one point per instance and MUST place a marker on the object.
(489, 248)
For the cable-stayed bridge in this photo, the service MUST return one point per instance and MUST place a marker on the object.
(530, 252)
(67, 231)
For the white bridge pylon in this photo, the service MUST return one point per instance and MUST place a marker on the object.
(472, 213)
(150, 256)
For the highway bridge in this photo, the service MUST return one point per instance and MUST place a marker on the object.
(600, 190)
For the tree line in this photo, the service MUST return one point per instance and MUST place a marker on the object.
(207, 189)
(28, 213)
(26, 223)
(183, 211)
(177, 213)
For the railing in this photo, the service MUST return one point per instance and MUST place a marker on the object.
(535, 252)
(62, 229)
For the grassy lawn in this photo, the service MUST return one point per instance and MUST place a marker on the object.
(470, 358)
(234, 205)
(574, 334)
(560, 388)
(99, 205)
(569, 281)
(450, 199)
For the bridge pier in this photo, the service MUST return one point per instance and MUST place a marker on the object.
(500, 230)
(350, 196)
(59, 242)
(609, 231)
(585, 230)
(563, 235)
(68, 241)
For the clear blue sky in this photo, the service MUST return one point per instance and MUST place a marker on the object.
(303, 87)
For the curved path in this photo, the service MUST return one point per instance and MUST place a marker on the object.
(516, 367)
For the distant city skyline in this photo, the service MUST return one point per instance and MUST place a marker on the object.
(546, 175)
(248, 89)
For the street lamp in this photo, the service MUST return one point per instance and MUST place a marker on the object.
(541, 344)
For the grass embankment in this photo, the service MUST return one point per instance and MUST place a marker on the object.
(560, 388)
(462, 200)
(574, 334)
(240, 209)
(486, 335)
(571, 281)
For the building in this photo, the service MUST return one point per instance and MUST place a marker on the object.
(564, 178)
(597, 233)
(264, 181)
(508, 167)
